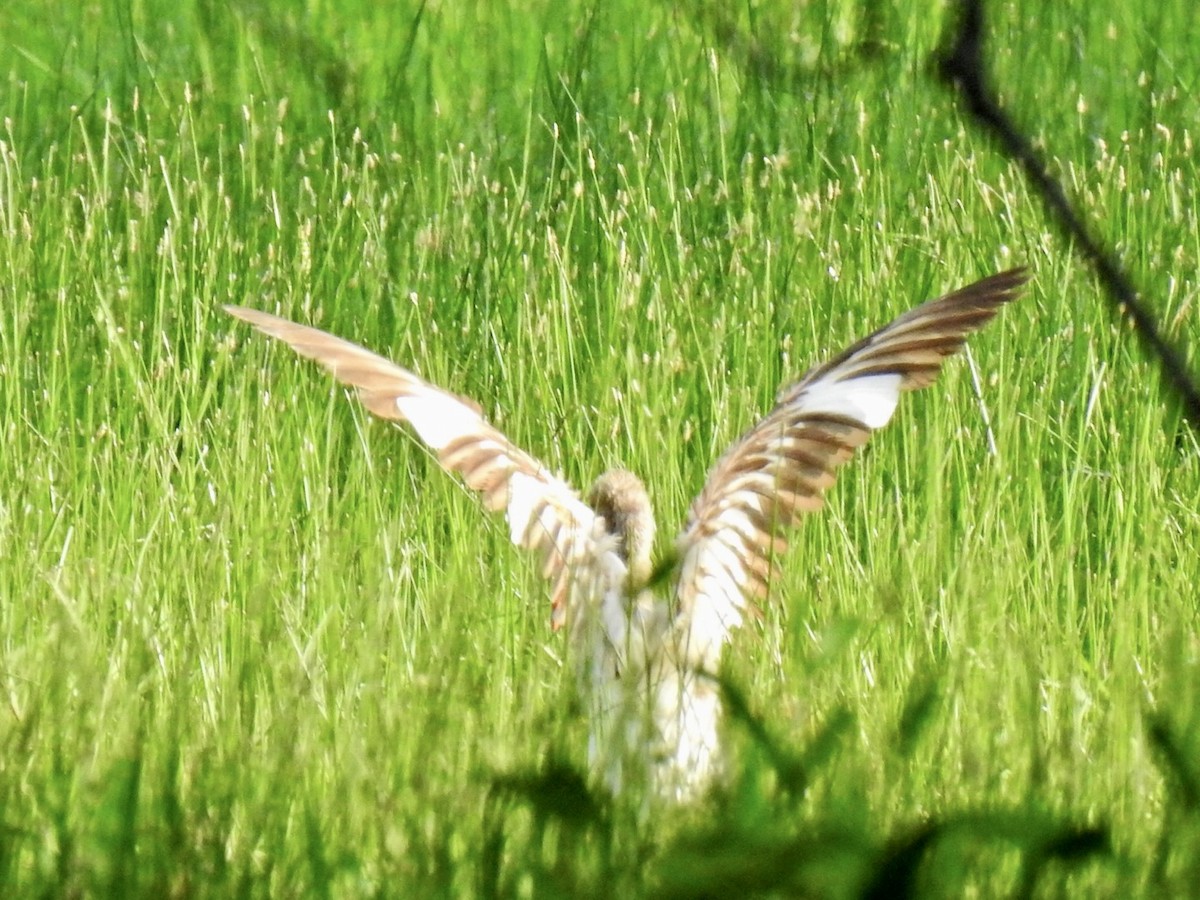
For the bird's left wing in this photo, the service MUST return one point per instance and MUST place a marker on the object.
(544, 514)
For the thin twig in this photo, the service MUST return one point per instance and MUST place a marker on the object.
(961, 65)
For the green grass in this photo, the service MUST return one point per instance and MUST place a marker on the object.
(252, 643)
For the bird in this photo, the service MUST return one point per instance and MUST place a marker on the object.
(646, 640)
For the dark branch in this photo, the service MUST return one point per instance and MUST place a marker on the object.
(961, 66)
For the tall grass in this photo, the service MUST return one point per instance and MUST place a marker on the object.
(255, 643)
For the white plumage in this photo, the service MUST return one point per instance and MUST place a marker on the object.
(644, 661)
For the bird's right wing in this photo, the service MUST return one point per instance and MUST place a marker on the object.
(544, 514)
(781, 467)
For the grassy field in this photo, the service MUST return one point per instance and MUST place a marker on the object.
(254, 644)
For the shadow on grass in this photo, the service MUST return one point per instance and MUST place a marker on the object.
(1175, 745)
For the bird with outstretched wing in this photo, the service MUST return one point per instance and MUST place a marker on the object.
(645, 650)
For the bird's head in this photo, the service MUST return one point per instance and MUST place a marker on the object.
(621, 499)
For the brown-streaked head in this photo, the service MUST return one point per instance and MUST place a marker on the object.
(621, 499)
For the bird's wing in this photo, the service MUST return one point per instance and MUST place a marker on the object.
(780, 468)
(544, 514)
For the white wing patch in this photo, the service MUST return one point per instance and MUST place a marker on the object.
(871, 400)
(437, 417)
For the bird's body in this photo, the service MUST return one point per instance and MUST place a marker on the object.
(644, 657)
